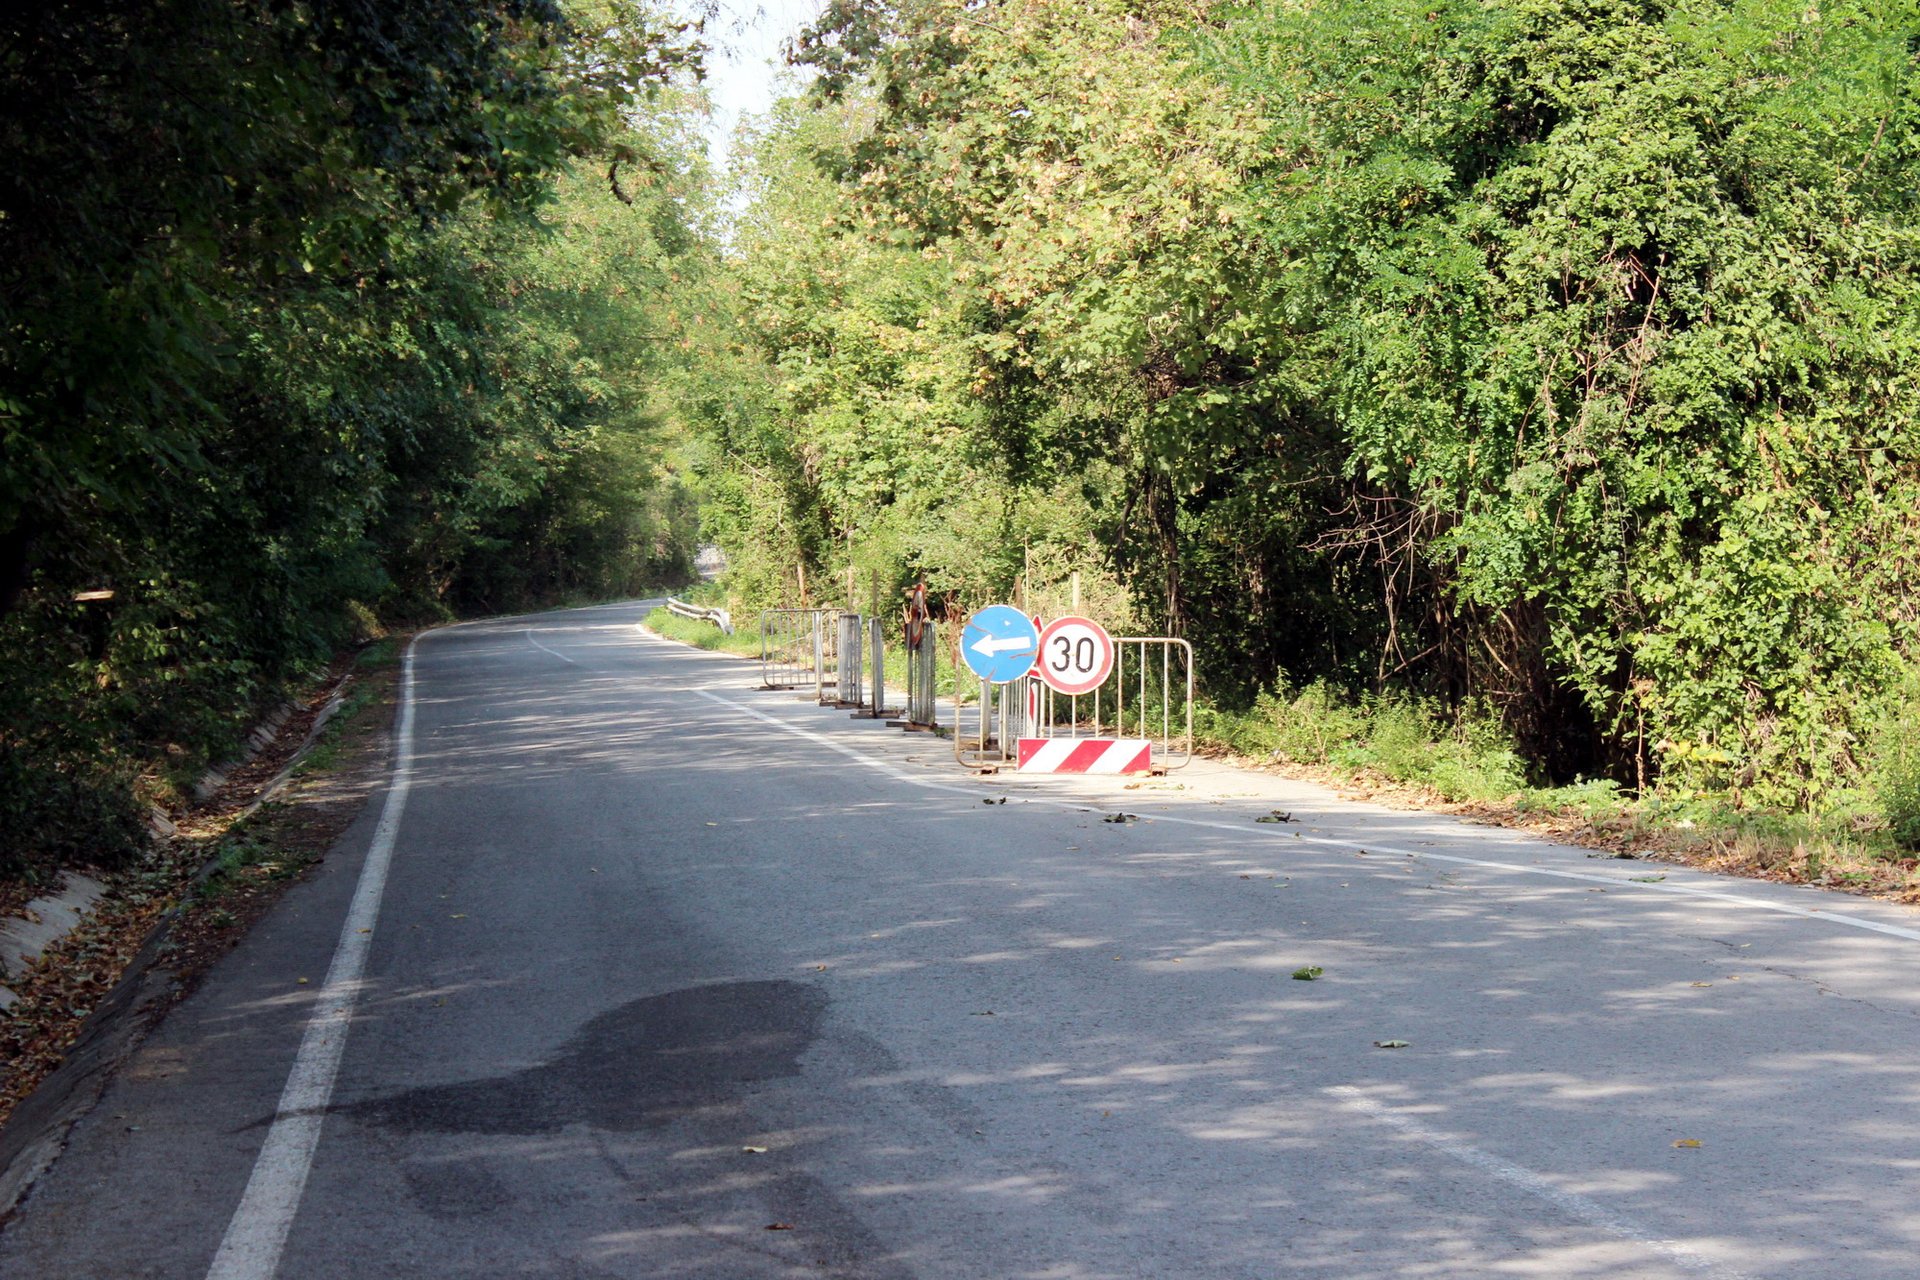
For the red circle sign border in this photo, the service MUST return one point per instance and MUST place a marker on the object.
(1106, 664)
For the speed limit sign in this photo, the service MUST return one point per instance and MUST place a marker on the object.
(1076, 654)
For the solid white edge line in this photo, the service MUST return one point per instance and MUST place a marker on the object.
(1717, 896)
(257, 1233)
(1571, 1203)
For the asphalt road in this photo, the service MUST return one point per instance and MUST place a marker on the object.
(672, 977)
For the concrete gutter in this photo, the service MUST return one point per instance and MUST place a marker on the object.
(37, 1131)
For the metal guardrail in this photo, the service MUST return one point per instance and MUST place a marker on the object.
(719, 617)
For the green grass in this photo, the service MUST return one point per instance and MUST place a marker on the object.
(1395, 738)
(744, 641)
(380, 653)
(1471, 760)
(325, 753)
(240, 850)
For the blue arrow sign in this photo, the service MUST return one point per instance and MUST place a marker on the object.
(999, 644)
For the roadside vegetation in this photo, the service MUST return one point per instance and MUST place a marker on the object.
(315, 319)
(1511, 399)
(193, 895)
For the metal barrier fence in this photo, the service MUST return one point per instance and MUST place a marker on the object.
(876, 708)
(923, 697)
(1148, 696)
(1161, 686)
(798, 650)
(719, 617)
(1002, 715)
(849, 633)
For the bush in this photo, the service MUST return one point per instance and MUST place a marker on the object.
(1900, 801)
(65, 812)
(1897, 763)
(1465, 757)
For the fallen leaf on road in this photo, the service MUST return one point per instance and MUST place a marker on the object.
(779, 1226)
(983, 1013)
(1700, 984)
(1120, 817)
(1308, 974)
(1389, 1044)
(1687, 1142)
(755, 1151)
(301, 981)
(1646, 879)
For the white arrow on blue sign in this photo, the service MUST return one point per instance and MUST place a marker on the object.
(999, 643)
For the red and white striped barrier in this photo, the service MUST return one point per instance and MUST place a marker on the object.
(1086, 755)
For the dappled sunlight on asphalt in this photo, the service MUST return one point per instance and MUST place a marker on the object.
(1015, 1040)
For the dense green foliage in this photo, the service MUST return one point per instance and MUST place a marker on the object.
(1549, 358)
(1540, 363)
(311, 314)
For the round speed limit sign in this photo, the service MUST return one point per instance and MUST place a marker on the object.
(1076, 654)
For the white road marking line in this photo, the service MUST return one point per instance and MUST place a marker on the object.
(1822, 916)
(1578, 1206)
(542, 648)
(257, 1233)
(1572, 1203)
